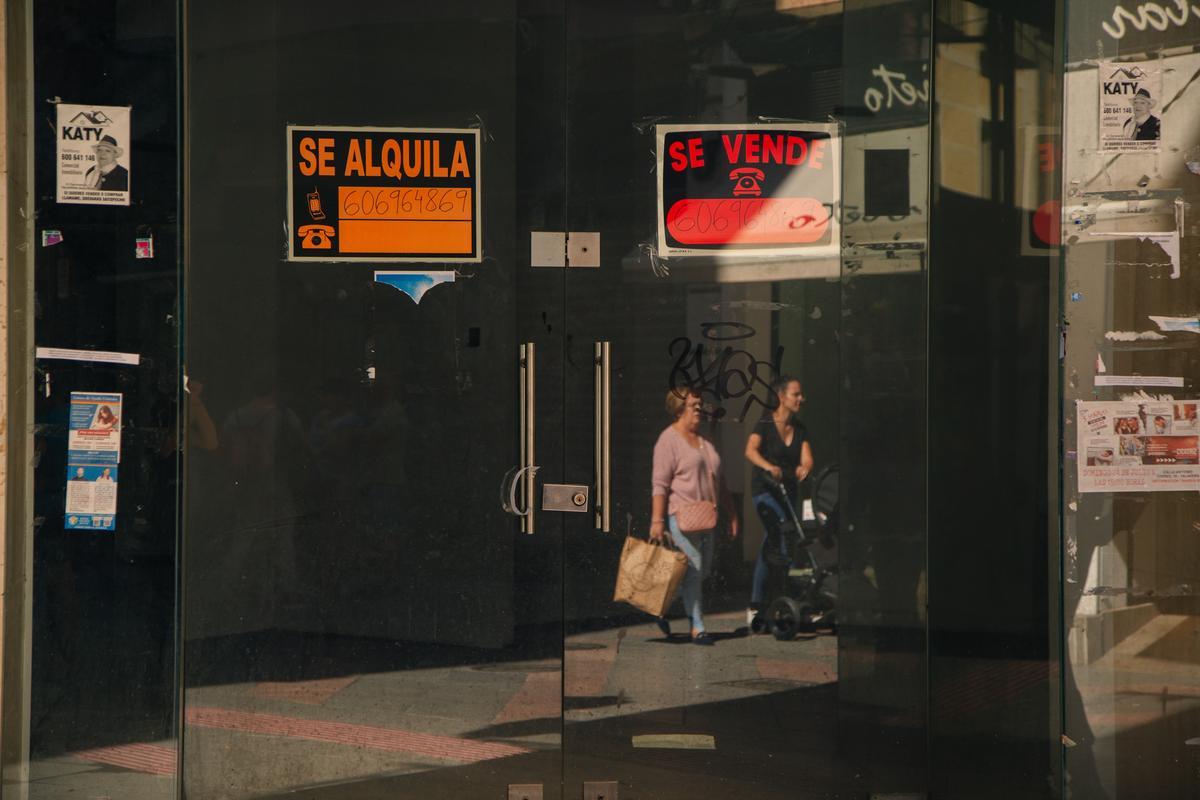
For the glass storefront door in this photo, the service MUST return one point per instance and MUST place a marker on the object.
(358, 604)
(710, 293)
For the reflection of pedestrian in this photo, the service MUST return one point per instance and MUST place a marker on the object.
(687, 474)
(782, 457)
(1142, 126)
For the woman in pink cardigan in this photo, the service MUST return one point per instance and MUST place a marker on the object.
(687, 471)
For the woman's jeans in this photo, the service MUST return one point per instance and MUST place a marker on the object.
(698, 547)
(758, 587)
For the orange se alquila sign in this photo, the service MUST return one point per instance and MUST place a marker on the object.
(383, 194)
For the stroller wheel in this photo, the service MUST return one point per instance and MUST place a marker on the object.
(786, 617)
(761, 623)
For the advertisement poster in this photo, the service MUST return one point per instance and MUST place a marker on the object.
(752, 190)
(93, 154)
(93, 455)
(383, 194)
(1142, 446)
(1129, 106)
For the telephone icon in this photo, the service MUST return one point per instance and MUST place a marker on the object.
(316, 237)
(747, 181)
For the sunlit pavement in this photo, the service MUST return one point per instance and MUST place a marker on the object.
(749, 716)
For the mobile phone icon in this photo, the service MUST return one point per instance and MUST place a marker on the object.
(314, 205)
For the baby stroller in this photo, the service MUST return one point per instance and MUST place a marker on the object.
(802, 588)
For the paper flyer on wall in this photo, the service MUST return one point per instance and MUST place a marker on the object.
(1144, 446)
(93, 455)
(93, 154)
(1130, 106)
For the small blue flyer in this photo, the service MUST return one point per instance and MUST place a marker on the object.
(93, 455)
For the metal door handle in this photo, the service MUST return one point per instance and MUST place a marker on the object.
(528, 418)
(603, 449)
(512, 480)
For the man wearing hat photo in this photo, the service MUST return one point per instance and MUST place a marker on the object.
(109, 176)
(1142, 126)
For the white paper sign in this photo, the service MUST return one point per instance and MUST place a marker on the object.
(1130, 106)
(93, 154)
(1171, 381)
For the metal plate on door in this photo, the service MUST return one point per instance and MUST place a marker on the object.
(564, 497)
(583, 249)
(547, 248)
(600, 790)
(525, 791)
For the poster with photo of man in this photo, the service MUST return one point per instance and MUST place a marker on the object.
(1130, 103)
(93, 154)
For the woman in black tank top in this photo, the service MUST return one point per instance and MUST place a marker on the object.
(779, 450)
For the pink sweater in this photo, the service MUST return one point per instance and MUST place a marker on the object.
(681, 472)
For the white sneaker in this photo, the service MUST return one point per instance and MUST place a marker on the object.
(750, 615)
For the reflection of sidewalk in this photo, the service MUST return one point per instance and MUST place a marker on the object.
(750, 717)
(1154, 672)
(1142, 700)
(467, 729)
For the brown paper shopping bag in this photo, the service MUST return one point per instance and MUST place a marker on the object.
(649, 575)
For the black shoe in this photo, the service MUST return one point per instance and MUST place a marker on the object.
(663, 625)
(703, 639)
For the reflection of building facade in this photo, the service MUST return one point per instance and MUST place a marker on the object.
(315, 580)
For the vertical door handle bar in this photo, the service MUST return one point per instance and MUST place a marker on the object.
(528, 417)
(603, 449)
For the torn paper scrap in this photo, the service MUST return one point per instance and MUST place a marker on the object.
(1167, 240)
(414, 284)
(1133, 336)
(1100, 368)
(1177, 324)
(51, 238)
(1139, 380)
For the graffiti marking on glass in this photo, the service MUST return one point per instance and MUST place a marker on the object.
(1152, 15)
(899, 89)
(723, 373)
